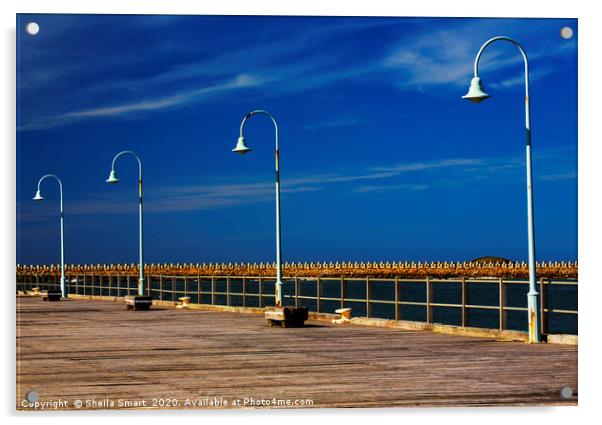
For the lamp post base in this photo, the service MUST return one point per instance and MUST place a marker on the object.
(533, 320)
(286, 317)
(138, 302)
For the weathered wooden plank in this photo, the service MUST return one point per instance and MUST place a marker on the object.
(97, 349)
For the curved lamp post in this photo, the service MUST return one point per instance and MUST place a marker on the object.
(242, 149)
(39, 198)
(113, 180)
(477, 94)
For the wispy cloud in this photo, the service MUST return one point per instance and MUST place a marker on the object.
(342, 122)
(557, 177)
(441, 58)
(204, 196)
(211, 195)
(429, 165)
(294, 59)
(391, 187)
(446, 57)
(519, 80)
(438, 56)
(241, 81)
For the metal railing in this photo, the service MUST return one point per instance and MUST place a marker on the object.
(460, 301)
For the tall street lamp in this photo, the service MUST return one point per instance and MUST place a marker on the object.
(477, 94)
(242, 149)
(113, 180)
(39, 198)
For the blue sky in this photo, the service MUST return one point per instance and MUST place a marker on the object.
(380, 157)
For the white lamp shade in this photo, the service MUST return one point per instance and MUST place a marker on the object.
(475, 92)
(112, 178)
(38, 196)
(241, 146)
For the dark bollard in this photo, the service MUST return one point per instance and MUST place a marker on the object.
(138, 302)
(52, 295)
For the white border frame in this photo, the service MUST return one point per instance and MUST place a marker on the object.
(590, 138)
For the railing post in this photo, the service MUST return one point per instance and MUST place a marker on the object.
(212, 290)
(118, 285)
(368, 297)
(244, 291)
(199, 290)
(260, 289)
(342, 292)
(318, 295)
(84, 279)
(543, 291)
(429, 295)
(296, 292)
(185, 286)
(174, 284)
(161, 287)
(502, 289)
(396, 298)
(464, 303)
(99, 285)
(228, 290)
(110, 284)
(128, 283)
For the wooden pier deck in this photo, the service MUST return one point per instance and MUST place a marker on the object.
(97, 350)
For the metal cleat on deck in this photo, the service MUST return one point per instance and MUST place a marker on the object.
(345, 316)
(185, 301)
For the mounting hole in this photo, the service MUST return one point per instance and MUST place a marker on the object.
(566, 392)
(32, 396)
(32, 28)
(566, 33)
